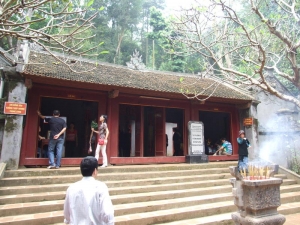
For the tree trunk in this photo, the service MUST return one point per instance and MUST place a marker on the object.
(119, 45)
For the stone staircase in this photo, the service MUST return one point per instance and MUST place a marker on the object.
(143, 194)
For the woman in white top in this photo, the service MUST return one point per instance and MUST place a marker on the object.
(103, 133)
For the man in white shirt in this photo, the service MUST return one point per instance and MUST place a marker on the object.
(87, 201)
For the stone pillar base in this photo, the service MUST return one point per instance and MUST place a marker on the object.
(192, 159)
(276, 219)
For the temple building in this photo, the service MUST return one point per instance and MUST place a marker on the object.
(143, 107)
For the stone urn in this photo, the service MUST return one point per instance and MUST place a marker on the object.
(257, 200)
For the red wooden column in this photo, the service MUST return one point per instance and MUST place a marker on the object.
(160, 132)
(113, 118)
(142, 133)
(234, 131)
(188, 116)
(30, 133)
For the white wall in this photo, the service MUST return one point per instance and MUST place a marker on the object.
(169, 132)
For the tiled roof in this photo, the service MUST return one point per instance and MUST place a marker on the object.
(42, 64)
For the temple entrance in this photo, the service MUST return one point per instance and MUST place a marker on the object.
(216, 126)
(80, 113)
(147, 131)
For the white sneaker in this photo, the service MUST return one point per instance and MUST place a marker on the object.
(50, 167)
(103, 166)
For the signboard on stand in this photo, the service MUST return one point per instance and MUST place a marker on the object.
(196, 143)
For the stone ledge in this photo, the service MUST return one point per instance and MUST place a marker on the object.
(290, 174)
(2, 169)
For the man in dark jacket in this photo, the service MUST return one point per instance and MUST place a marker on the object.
(244, 144)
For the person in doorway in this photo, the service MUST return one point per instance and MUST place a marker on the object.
(71, 140)
(57, 129)
(244, 144)
(93, 137)
(167, 142)
(225, 149)
(103, 133)
(41, 152)
(208, 147)
(87, 201)
(176, 142)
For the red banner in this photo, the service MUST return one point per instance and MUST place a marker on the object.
(15, 108)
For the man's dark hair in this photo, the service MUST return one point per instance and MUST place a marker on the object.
(56, 112)
(223, 139)
(88, 165)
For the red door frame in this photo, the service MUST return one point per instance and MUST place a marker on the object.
(29, 140)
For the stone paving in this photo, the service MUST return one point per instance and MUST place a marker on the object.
(293, 219)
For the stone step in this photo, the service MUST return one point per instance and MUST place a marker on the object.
(282, 176)
(39, 183)
(289, 197)
(136, 194)
(34, 219)
(220, 219)
(132, 219)
(225, 218)
(43, 180)
(121, 209)
(289, 188)
(26, 172)
(120, 198)
(35, 207)
(123, 184)
(289, 208)
(30, 208)
(200, 212)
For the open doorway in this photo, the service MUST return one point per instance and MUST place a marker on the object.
(129, 130)
(80, 113)
(174, 119)
(216, 126)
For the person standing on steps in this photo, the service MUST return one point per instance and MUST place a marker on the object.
(57, 129)
(87, 201)
(244, 144)
(103, 133)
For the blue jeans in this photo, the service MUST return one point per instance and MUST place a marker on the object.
(243, 163)
(58, 143)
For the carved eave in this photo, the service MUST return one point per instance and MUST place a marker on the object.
(197, 102)
(113, 94)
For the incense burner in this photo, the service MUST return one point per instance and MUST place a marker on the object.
(257, 197)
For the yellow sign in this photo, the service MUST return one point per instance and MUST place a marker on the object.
(248, 121)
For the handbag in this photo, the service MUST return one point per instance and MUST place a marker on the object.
(101, 141)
